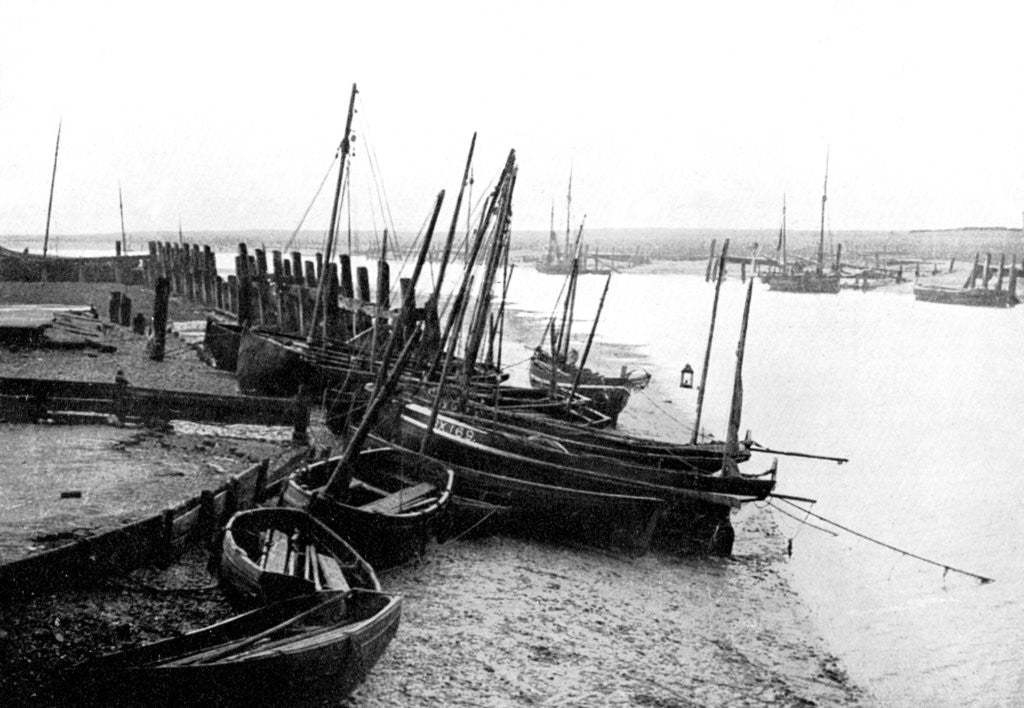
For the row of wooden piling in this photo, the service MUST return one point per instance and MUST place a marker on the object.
(280, 293)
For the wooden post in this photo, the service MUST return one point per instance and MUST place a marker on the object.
(1011, 287)
(299, 434)
(210, 259)
(114, 307)
(117, 248)
(363, 284)
(219, 291)
(125, 315)
(259, 487)
(139, 323)
(711, 261)
(245, 311)
(151, 265)
(163, 292)
(1002, 266)
(310, 274)
(319, 266)
(743, 271)
(297, 267)
(347, 292)
(275, 257)
(332, 316)
(288, 271)
(232, 295)
(988, 270)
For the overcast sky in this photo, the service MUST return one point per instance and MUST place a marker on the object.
(676, 114)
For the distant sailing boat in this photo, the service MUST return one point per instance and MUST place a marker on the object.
(799, 278)
(561, 262)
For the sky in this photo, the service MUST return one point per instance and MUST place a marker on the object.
(227, 115)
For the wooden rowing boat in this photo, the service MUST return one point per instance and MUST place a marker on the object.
(391, 508)
(274, 553)
(302, 651)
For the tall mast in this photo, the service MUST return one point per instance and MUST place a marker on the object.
(824, 198)
(711, 334)
(332, 229)
(120, 204)
(53, 180)
(455, 219)
(732, 435)
(568, 214)
(782, 232)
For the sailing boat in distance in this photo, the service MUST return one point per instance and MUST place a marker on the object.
(560, 261)
(805, 277)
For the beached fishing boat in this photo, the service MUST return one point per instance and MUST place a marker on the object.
(543, 368)
(271, 554)
(33, 267)
(388, 510)
(703, 456)
(622, 521)
(971, 293)
(307, 650)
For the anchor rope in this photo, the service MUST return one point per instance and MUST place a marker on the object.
(946, 568)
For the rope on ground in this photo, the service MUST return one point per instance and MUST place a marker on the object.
(946, 568)
(459, 536)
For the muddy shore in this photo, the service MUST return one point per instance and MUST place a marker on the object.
(487, 621)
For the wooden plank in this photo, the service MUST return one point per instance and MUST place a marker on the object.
(277, 553)
(334, 577)
(394, 503)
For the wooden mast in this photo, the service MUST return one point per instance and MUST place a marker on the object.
(332, 229)
(568, 215)
(455, 218)
(782, 232)
(732, 435)
(821, 237)
(120, 204)
(711, 334)
(53, 181)
(590, 340)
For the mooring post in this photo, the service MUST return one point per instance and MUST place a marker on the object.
(259, 486)
(163, 293)
(310, 274)
(332, 315)
(125, 315)
(711, 261)
(120, 396)
(299, 434)
(244, 287)
(114, 308)
(139, 323)
(297, 267)
(363, 284)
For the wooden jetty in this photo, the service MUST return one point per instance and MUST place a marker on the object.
(975, 294)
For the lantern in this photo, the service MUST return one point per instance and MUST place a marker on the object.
(686, 377)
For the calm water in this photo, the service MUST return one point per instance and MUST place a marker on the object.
(922, 398)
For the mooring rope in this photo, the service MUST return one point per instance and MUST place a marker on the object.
(946, 568)
(805, 522)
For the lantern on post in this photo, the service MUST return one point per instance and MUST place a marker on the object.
(686, 377)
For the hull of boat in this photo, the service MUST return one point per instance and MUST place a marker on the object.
(128, 270)
(241, 549)
(697, 505)
(385, 539)
(807, 282)
(222, 341)
(974, 297)
(321, 660)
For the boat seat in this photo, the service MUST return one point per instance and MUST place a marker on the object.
(395, 503)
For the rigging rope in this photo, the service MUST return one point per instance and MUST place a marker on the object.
(295, 233)
(983, 579)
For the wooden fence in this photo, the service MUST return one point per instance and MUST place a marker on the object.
(159, 538)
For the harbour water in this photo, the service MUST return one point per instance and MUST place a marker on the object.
(923, 400)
